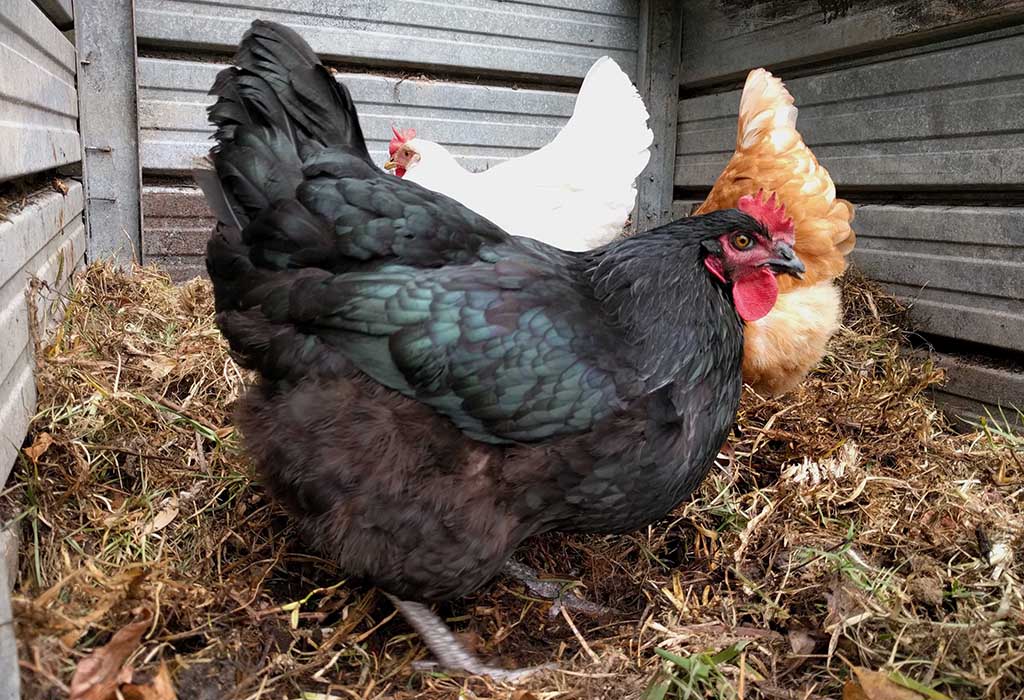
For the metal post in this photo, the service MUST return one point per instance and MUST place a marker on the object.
(109, 122)
(661, 35)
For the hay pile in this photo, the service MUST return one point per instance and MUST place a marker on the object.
(847, 528)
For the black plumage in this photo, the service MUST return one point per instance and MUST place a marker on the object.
(434, 390)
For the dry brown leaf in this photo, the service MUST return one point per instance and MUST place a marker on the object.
(60, 186)
(876, 685)
(164, 518)
(853, 691)
(801, 642)
(159, 688)
(100, 673)
(159, 366)
(40, 445)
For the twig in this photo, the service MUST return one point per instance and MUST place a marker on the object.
(579, 637)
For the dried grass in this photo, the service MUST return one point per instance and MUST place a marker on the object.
(848, 525)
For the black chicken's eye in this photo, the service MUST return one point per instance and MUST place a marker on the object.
(742, 241)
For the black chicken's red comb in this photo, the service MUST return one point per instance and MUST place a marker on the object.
(770, 212)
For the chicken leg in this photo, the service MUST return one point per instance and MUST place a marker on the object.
(553, 591)
(450, 655)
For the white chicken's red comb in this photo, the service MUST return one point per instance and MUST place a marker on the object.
(773, 217)
(401, 136)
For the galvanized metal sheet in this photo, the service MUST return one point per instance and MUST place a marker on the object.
(177, 224)
(962, 268)
(59, 11)
(946, 117)
(45, 239)
(38, 101)
(560, 39)
(480, 124)
(661, 32)
(105, 33)
(724, 39)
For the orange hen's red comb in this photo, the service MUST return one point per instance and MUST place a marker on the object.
(770, 212)
(401, 136)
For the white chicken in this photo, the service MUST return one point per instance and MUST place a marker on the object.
(576, 192)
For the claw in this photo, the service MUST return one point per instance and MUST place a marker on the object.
(553, 591)
(451, 656)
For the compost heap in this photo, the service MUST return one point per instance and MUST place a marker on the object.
(848, 542)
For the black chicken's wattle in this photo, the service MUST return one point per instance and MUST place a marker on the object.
(434, 390)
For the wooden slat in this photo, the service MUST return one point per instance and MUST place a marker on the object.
(953, 117)
(105, 32)
(46, 239)
(723, 39)
(557, 40)
(481, 124)
(38, 101)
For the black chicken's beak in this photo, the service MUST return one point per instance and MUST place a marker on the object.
(786, 261)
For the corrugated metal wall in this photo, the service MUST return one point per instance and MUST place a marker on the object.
(917, 110)
(41, 231)
(489, 80)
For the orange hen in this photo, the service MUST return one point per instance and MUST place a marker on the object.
(781, 348)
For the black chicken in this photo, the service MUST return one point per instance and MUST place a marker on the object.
(434, 390)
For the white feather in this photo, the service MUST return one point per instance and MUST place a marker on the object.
(574, 193)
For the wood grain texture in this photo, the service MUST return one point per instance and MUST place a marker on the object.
(551, 39)
(724, 39)
(38, 99)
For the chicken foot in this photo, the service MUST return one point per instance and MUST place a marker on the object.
(553, 591)
(450, 655)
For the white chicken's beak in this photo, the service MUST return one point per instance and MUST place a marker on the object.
(390, 165)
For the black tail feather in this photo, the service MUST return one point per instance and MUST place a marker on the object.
(321, 108)
(222, 204)
(277, 106)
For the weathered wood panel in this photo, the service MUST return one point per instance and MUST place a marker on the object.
(38, 101)
(723, 39)
(60, 12)
(553, 39)
(961, 267)
(948, 118)
(46, 239)
(105, 32)
(479, 123)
